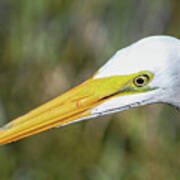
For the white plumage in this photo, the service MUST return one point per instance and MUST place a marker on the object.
(158, 54)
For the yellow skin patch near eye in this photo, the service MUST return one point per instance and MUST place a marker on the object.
(72, 105)
(123, 83)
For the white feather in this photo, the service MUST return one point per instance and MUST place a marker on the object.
(157, 54)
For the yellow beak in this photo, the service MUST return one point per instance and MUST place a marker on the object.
(73, 105)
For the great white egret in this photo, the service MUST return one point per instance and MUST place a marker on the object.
(146, 72)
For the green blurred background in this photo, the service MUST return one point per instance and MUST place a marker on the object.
(49, 46)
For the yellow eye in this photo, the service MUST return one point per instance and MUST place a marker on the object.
(141, 80)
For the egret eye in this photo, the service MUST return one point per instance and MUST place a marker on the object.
(141, 80)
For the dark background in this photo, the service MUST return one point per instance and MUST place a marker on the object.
(49, 46)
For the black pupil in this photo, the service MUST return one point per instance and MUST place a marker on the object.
(140, 81)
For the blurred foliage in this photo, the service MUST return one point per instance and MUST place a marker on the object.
(49, 46)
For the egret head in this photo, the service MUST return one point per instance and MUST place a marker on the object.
(150, 71)
(144, 73)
